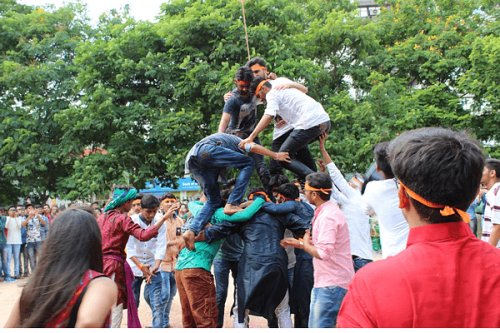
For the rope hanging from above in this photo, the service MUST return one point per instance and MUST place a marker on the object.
(245, 26)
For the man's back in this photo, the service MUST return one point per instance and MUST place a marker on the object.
(445, 278)
(381, 198)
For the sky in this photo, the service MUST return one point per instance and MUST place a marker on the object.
(139, 9)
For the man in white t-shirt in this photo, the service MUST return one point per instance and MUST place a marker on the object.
(491, 217)
(381, 199)
(305, 115)
(13, 246)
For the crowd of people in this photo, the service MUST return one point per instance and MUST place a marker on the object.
(299, 250)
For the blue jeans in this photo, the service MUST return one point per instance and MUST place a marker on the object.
(325, 306)
(8, 250)
(24, 252)
(152, 295)
(206, 166)
(136, 288)
(33, 249)
(359, 262)
(168, 291)
(221, 271)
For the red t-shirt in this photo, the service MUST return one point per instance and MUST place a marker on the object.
(445, 278)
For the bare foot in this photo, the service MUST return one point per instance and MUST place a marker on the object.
(231, 209)
(188, 236)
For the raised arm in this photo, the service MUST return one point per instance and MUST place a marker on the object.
(242, 215)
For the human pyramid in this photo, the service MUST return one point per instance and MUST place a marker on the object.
(300, 247)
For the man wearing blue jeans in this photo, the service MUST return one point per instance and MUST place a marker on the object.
(145, 258)
(206, 160)
(33, 225)
(13, 246)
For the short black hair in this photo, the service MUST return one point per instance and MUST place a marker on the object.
(256, 61)
(380, 152)
(168, 196)
(320, 180)
(28, 205)
(278, 180)
(255, 82)
(38, 206)
(244, 73)
(149, 202)
(440, 165)
(493, 164)
(289, 191)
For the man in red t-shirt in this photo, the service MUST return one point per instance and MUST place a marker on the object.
(446, 277)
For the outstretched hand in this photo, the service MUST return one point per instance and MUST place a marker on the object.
(293, 242)
(283, 157)
(322, 165)
(322, 140)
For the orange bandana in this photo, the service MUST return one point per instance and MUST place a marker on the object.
(259, 87)
(322, 190)
(169, 200)
(445, 211)
(243, 82)
(251, 196)
(258, 67)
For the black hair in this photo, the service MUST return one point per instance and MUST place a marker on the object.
(168, 196)
(256, 61)
(11, 206)
(72, 247)
(440, 165)
(289, 191)
(320, 180)
(493, 164)
(244, 73)
(255, 82)
(382, 160)
(278, 180)
(149, 202)
(38, 206)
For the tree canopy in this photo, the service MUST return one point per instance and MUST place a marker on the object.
(85, 106)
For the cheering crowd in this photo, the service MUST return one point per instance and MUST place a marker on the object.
(298, 247)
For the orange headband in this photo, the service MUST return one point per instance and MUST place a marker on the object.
(242, 82)
(167, 200)
(445, 211)
(251, 196)
(322, 190)
(257, 91)
(258, 67)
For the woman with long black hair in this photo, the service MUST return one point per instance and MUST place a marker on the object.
(67, 288)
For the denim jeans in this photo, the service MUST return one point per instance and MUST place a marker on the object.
(298, 140)
(152, 295)
(300, 296)
(8, 251)
(136, 288)
(206, 166)
(359, 262)
(221, 271)
(168, 291)
(325, 305)
(33, 250)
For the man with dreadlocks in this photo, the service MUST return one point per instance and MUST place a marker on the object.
(116, 227)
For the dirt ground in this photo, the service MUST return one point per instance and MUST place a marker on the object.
(9, 292)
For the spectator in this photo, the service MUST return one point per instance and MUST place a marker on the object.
(24, 267)
(33, 224)
(4, 276)
(446, 277)
(67, 289)
(13, 246)
(145, 258)
(491, 218)
(381, 198)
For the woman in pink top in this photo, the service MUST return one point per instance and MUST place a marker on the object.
(330, 249)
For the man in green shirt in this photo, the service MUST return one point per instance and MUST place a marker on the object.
(194, 279)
